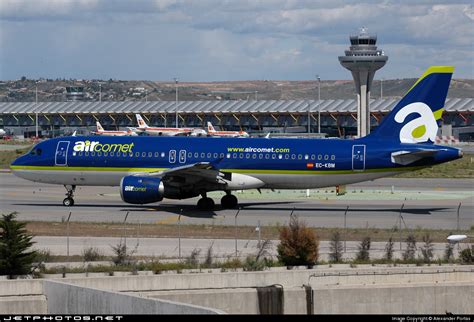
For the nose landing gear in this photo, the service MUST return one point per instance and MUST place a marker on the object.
(69, 200)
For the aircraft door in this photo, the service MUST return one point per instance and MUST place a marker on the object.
(182, 156)
(172, 157)
(358, 157)
(60, 157)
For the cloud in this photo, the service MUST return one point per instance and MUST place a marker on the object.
(224, 39)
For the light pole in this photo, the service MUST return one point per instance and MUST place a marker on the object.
(309, 119)
(256, 92)
(100, 92)
(36, 109)
(146, 95)
(319, 104)
(381, 88)
(176, 105)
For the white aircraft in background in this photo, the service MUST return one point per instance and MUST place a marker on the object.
(161, 131)
(232, 134)
(100, 131)
(2, 133)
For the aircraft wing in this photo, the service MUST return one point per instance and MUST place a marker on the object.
(201, 170)
(408, 157)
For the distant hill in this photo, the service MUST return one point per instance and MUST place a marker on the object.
(118, 90)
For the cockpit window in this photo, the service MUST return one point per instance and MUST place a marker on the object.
(36, 151)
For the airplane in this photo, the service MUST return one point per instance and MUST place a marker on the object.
(233, 134)
(147, 169)
(161, 131)
(2, 133)
(100, 131)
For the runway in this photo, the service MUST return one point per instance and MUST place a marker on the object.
(427, 203)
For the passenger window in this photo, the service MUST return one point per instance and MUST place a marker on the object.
(306, 157)
(203, 155)
(274, 156)
(80, 154)
(111, 154)
(320, 157)
(333, 157)
(86, 154)
(215, 155)
(241, 156)
(208, 155)
(99, 154)
(254, 156)
(92, 154)
(150, 154)
(293, 156)
(280, 156)
(222, 155)
(157, 154)
(190, 155)
(143, 154)
(300, 157)
(228, 155)
(326, 157)
(196, 155)
(313, 157)
(260, 156)
(267, 156)
(163, 154)
(137, 154)
(234, 156)
(247, 156)
(287, 156)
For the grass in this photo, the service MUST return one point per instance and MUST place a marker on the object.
(461, 168)
(39, 228)
(7, 157)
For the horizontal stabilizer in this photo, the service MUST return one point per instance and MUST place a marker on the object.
(408, 157)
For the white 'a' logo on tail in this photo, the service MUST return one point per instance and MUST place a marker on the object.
(420, 129)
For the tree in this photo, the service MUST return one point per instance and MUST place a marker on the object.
(389, 249)
(427, 248)
(448, 252)
(299, 244)
(335, 247)
(409, 253)
(15, 259)
(364, 247)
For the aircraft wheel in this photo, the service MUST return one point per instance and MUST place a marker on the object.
(68, 202)
(229, 202)
(206, 204)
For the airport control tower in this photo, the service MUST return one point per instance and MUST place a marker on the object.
(363, 59)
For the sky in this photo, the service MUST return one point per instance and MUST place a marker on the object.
(224, 40)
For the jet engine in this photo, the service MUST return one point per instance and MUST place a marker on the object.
(141, 190)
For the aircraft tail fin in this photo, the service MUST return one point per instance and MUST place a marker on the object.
(141, 122)
(415, 118)
(210, 128)
(99, 127)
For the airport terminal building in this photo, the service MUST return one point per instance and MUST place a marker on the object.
(336, 118)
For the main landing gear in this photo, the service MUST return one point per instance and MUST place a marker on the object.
(229, 201)
(205, 203)
(69, 200)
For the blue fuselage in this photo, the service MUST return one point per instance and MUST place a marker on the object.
(279, 163)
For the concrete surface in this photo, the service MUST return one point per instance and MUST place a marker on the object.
(456, 298)
(430, 203)
(65, 298)
(364, 289)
